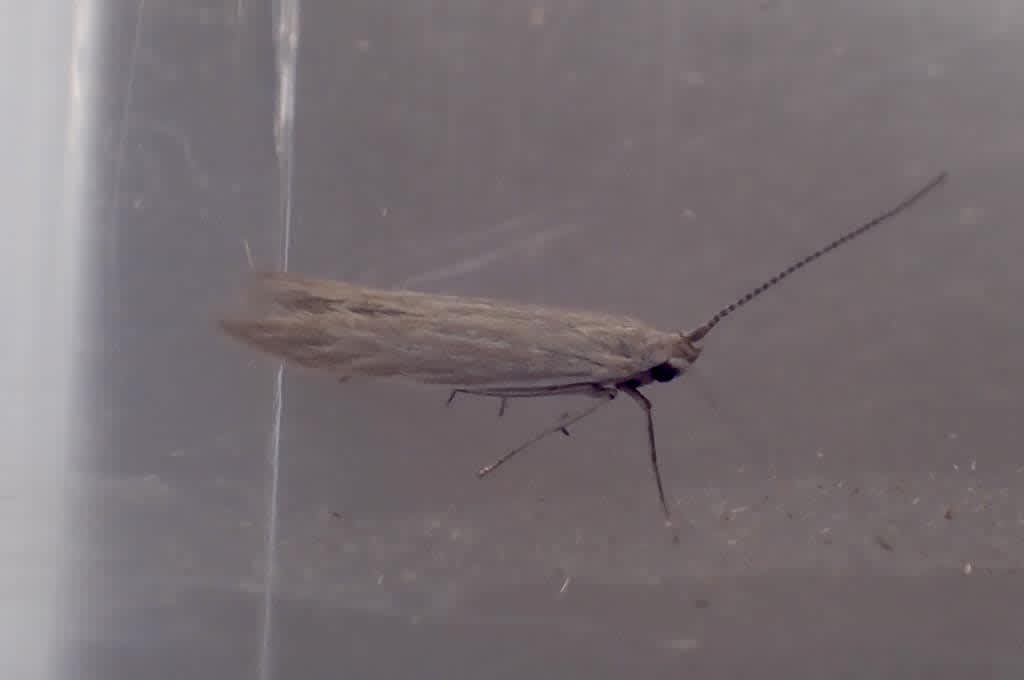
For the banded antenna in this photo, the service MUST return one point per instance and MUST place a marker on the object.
(702, 330)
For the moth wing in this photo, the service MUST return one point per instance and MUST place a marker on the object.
(350, 331)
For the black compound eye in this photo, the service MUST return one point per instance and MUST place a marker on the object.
(664, 372)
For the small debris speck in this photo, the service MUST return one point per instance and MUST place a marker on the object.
(694, 78)
(948, 514)
(883, 544)
(971, 215)
(968, 568)
(701, 603)
(682, 644)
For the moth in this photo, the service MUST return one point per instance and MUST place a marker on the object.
(486, 347)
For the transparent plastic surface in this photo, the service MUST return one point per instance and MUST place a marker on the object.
(843, 461)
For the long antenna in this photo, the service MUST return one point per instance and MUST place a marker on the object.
(704, 329)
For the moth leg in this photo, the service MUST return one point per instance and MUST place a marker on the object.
(645, 404)
(592, 388)
(506, 393)
(451, 398)
(606, 394)
(501, 407)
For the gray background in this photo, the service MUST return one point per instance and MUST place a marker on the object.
(842, 455)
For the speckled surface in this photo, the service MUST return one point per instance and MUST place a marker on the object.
(843, 461)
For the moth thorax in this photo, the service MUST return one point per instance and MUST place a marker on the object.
(683, 348)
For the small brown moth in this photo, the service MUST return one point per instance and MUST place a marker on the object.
(481, 346)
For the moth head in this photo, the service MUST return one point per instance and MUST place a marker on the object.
(665, 372)
(686, 348)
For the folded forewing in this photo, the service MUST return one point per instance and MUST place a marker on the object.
(349, 330)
